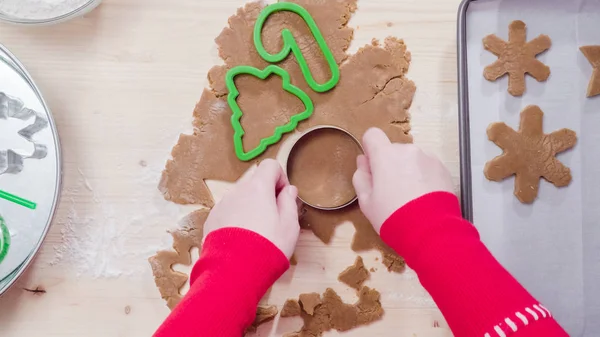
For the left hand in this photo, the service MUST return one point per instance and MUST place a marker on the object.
(263, 202)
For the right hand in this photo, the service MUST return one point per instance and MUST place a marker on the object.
(391, 175)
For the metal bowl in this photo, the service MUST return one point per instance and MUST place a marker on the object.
(82, 10)
(35, 174)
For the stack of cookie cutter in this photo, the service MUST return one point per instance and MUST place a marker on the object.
(32, 173)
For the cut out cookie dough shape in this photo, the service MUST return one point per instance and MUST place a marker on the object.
(373, 91)
(329, 312)
(264, 314)
(529, 154)
(169, 282)
(12, 161)
(309, 302)
(592, 53)
(355, 275)
(291, 308)
(517, 57)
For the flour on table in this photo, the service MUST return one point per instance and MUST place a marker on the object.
(39, 9)
(108, 239)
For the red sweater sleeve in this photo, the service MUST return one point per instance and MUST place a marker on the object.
(235, 270)
(476, 295)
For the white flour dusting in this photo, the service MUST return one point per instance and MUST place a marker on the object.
(110, 225)
(104, 239)
(39, 9)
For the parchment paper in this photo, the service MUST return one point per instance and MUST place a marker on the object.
(552, 246)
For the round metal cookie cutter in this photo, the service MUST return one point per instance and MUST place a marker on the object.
(303, 136)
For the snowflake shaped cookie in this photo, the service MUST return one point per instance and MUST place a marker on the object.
(517, 57)
(529, 154)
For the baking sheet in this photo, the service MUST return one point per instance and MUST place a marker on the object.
(39, 181)
(552, 246)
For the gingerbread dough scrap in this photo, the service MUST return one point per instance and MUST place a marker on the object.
(333, 314)
(393, 262)
(529, 154)
(592, 53)
(168, 281)
(323, 224)
(373, 91)
(354, 276)
(263, 315)
(517, 57)
(309, 302)
(291, 308)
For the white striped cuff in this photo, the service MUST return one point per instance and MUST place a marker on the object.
(519, 319)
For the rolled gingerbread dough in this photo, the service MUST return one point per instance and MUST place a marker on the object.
(373, 91)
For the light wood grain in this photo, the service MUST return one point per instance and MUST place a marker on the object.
(122, 83)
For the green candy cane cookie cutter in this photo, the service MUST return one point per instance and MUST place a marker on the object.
(289, 47)
(4, 239)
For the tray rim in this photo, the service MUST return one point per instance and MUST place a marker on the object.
(20, 270)
(466, 196)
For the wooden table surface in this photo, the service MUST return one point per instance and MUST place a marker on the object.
(122, 83)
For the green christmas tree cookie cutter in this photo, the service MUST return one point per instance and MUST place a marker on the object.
(4, 239)
(289, 47)
(237, 111)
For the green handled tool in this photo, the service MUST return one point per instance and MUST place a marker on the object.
(17, 200)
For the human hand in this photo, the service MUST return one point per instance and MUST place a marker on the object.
(263, 202)
(391, 175)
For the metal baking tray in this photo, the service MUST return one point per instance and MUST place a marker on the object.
(552, 246)
(30, 166)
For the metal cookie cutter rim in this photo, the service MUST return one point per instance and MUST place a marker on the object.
(12, 107)
(306, 133)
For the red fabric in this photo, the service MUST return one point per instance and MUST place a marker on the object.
(474, 292)
(235, 270)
